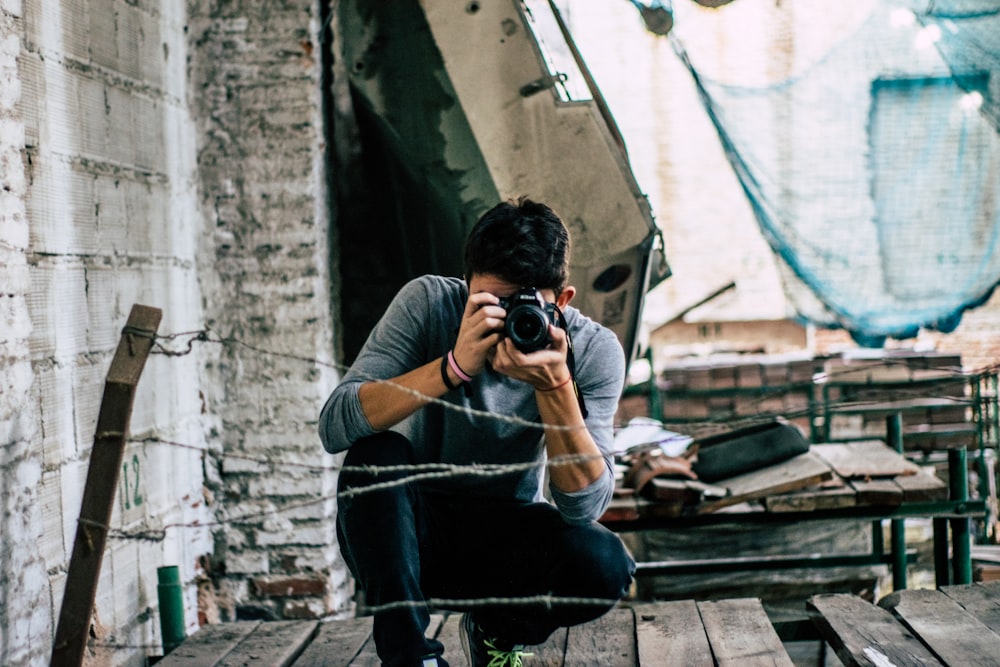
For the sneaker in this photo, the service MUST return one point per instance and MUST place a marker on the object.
(482, 651)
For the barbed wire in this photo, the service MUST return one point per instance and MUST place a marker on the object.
(205, 335)
(420, 472)
(715, 423)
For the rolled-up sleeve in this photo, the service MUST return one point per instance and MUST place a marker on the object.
(395, 346)
(600, 377)
(587, 504)
(342, 421)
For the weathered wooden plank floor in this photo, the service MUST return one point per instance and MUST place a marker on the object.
(955, 626)
(685, 633)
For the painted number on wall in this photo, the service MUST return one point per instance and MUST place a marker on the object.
(130, 477)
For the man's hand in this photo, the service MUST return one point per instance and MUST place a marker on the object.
(543, 369)
(480, 331)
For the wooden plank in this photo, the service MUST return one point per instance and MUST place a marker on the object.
(741, 634)
(336, 643)
(921, 487)
(273, 644)
(101, 486)
(864, 635)
(810, 500)
(865, 458)
(670, 634)
(209, 645)
(608, 641)
(799, 472)
(954, 635)
(877, 492)
(980, 600)
(676, 490)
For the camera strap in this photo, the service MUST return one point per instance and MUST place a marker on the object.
(571, 360)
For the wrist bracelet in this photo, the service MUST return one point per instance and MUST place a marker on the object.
(465, 377)
(444, 374)
(561, 384)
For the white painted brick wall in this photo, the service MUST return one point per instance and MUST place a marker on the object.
(24, 595)
(94, 93)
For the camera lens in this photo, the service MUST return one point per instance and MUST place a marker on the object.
(528, 327)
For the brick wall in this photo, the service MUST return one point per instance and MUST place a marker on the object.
(255, 82)
(154, 172)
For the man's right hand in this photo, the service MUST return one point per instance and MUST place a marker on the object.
(480, 331)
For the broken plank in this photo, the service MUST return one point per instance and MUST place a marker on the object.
(670, 634)
(273, 644)
(981, 600)
(799, 472)
(209, 645)
(741, 634)
(954, 635)
(608, 641)
(863, 635)
(101, 487)
(337, 643)
(865, 458)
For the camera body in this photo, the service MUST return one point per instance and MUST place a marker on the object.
(528, 319)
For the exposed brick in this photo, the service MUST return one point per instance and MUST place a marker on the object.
(290, 586)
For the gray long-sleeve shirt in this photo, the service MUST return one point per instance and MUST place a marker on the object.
(420, 325)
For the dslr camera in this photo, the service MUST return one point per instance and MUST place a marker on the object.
(528, 319)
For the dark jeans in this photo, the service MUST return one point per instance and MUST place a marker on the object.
(410, 543)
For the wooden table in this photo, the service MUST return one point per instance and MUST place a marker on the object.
(859, 480)
(957, 626)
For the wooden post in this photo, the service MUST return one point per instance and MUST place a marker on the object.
(102, 484)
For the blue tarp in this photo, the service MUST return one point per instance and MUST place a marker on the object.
(874, 168)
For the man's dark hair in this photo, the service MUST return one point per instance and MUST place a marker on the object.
(522, 242)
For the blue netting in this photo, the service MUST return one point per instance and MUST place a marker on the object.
(873, 166)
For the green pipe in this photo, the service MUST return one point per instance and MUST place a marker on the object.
(171, 597)
(894, 434)
(942, 571)
(961, 544)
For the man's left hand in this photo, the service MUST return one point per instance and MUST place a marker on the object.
(543, 369)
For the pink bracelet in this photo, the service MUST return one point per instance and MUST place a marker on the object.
(462, 375)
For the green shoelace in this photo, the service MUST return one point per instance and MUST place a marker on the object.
(500, 658)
